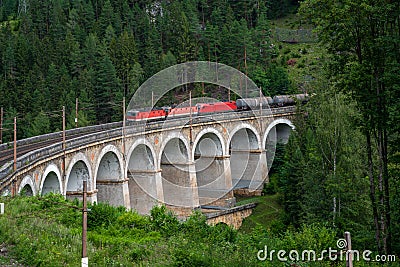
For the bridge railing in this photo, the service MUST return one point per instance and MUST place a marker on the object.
(50, 136)
(6, 171)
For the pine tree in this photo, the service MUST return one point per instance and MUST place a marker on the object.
(106, 89)
(40, 125)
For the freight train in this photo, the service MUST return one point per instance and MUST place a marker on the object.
(242, 104)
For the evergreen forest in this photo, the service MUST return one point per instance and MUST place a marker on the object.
(53, 52)
(340, 170)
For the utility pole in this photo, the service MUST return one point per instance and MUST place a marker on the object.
(245, 67)
(63, 140)
(84, 225)
(63, 128)
(260, 102)
(76, 113)
(349, 252)
(123, 126)
(190, 109)
(261, 99)
(1, 125)
(15, 143)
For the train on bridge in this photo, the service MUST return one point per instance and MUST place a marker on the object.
(242, 104)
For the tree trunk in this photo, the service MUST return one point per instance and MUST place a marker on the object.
(372, 190)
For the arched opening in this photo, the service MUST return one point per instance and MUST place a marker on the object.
(277, 133)
(245, 160)
(26, 190)
(108, 180)
(77, 175)
(51, 184)
(210, 169)
(177, 181)
(26, 187)
(142, 179)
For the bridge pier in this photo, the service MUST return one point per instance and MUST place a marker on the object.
(180, 187)
(113, 192)
(214, 181)
(145, 190)
(249, 171)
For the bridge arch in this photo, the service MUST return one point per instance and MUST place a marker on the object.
(78, 171)
(149, 157)
(245, 153)
(142, 174)
(211, 166)
(174, 149)
(27, 186)
(109, 175)
(247, 133)
(178, 180)
(278, 131)
(51, 180)
(204, 141)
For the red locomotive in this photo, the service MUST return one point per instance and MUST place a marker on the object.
(217, 107)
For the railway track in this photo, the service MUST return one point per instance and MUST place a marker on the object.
(8, 154)
(24, 146)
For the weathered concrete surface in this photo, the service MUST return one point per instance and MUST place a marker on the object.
(143, 190)
(179, 184)
(181, 166)
(249, 169)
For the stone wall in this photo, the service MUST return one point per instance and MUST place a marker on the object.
(232, 217)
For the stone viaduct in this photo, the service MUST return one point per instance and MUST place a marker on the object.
(184, 165)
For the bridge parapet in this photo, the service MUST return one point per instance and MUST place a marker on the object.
(55, 135)
(133, 131)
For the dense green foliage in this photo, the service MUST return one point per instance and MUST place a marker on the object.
(322, 176)
(46, 231)
(53, 52)
(362, 39)
(341, 165)
(339, 172)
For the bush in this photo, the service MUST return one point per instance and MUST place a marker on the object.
(286, 50)
(102, 215)
(271, 187)
(163, 220)
(132, 219)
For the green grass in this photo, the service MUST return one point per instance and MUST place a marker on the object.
(46, 231)
(309, 57)
(267, 215)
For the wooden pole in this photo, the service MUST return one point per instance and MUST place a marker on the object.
(63, 141)
(245, 67)
(84, 222)
(123, 126)
(76, 112)
(190, 109)
(63, 128)
(15, 143)
(1, 125)
(349, 253)
(260, 101)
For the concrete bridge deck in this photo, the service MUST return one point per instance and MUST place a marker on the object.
(181, 164)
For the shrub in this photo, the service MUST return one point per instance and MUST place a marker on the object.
(163, 221)
(101, 215)
(132, 219)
